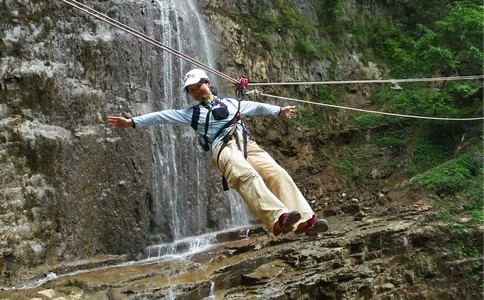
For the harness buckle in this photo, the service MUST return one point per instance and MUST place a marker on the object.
(227, 138)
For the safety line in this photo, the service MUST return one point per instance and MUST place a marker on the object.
(454, 78)
(96, 14)
(92, 12)
(371, 111)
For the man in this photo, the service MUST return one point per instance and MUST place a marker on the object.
(265, 186)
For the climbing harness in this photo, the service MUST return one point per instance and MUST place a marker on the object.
(219, 111)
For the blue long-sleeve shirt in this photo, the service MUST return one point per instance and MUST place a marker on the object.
(184, 117)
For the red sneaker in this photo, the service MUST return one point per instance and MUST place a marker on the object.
(313, 226)
(287, 220)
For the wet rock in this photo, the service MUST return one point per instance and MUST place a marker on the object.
(93, 262)
(329, 212)
(113, 294)
(351, 208)
(360, 259)
(359, 216)
(50, 293)
(264, 273)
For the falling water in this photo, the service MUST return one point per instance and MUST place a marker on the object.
(183, 177)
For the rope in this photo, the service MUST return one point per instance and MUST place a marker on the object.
(92, 12)
(368, 111)
(369, 81)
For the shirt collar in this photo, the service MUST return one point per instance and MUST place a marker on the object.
(209, 102)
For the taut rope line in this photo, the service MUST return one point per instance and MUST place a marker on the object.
(452, 78)
(371, 111)
(92, 12)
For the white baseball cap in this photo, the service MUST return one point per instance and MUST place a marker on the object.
(194, 76)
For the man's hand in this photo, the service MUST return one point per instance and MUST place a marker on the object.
(288, 111)
(119, 122)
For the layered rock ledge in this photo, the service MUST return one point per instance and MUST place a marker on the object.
(385, 257)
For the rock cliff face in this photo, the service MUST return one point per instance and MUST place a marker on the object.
(70, 186)
(64, 188)
(242, 52)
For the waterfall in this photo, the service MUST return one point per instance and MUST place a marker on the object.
(183, 178)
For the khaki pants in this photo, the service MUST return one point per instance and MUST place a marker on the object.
(265, 186)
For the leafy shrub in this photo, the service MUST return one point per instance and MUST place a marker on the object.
(448, 45)
(452, 176)
(350, 170)
(326, 50)
(333, 9)
(444, 181)
(391, 142)
(369, 120)
(428, 152)
(317, 116)
(305, 49)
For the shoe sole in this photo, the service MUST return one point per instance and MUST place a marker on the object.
(293, 218)
(320, 226)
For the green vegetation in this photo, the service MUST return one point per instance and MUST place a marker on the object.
(431, 39)
(413, 39)
(456, 186)
(280, 18)
(351, 171)
(391, 141)
(318, 118)
(459, 249)
(447, 44)
(369, 121)
(452, 176)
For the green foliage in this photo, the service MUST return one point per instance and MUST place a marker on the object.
(464, 90)
(413, 39)
(458, 188)
(473, 200)
(306, 49)
(282, 18)
(432, 148)
(459, 242)
(333, 9)
(326, 50)
(265, 40)
(451, 44)
(445, 180)
(351, 171)
(395, 142)
(478, 215)
(368, 120)
(317, 116)
(451, 100)
(452, 176)
(410, 13)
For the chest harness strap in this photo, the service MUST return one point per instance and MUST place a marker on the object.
(233, 123)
